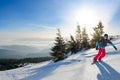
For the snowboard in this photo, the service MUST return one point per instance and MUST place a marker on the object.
(94, 62)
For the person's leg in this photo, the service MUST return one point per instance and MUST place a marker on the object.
(98, 55)
(103, 54)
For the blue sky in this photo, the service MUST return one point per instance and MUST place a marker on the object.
(40, 18)
(22, 12)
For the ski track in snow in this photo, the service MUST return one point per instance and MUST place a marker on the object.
(75, 67)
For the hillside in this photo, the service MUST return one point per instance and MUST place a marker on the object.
(75, 67)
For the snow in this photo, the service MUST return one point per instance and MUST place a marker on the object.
(75, 67)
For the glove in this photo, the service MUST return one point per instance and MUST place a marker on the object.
(115, 48)
(96, 47)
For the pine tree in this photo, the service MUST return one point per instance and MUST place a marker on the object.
(78, 38)
(58, 51)
(85, 38)
(98, 31)
(72, 45)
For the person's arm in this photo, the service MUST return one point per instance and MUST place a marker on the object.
(112, 44)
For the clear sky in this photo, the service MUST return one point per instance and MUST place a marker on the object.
(20, 19)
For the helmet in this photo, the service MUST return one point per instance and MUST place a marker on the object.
(106, 35)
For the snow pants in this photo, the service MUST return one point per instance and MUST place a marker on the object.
(101, 53)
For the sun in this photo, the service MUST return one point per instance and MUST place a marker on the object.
(85, 17)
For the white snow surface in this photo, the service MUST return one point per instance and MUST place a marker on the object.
(75, 67)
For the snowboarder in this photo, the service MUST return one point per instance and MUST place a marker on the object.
(100, 46)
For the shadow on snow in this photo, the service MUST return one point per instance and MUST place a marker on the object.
(39, 73)
(107, 72)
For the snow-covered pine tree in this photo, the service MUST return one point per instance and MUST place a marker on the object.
(59, 49)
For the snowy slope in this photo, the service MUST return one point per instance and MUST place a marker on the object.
(75, 67)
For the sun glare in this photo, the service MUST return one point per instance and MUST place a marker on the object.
(85, 17)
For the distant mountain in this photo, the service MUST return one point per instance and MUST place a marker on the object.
(4, 53)
(21, 48)
(19, 51)
(42, 53)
